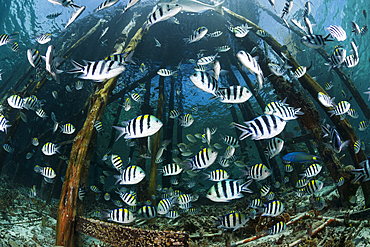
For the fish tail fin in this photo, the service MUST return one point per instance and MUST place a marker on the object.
(128, 58)
(344, 145)
(6, 128)
(244, 187)
(332, 113)
(207, 176)
(245, 131)
(78, 68)
(122, 131)
(218, 8)
(359, 174)
(328, 37)
(118, 177)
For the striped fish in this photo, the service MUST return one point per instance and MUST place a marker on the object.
(68, 129)
(147, 212)
(122, 58)
(278, 227)
(141, 126)
(8, 148)
(299, 72)
(98, 71)
(223, 48)
(363, 172)
(257, 172)
(233, 220)
(227, 190)
(53, 16)
(165, 205)
(355, 28)
(116, 162)
(130, 175)
(128, 5)
(215, 34)
(313, 186)
(65, 3)
(270, 196)
(41, 113)
(337, 58)
(274, 147)
(262, 127)
(312, 171)
(205, 82)
(128, 198)
(43, 38)
(286, 179)
(340, 182)
(52, 63)
(166, 72)
(233, 94)
(302, 183)
(119, 215)
(229, 140)
(16, 102)
(270, 107)
(337, 32)
(287, 113)
(256, 203)
(249, 62)
(34, 58)
(14, 47)
(273, 208)
(3, 123)
(325, 100)
(50, 148)
(364, 30)
(357, 146)
(162, 13)
(105, 4)
(186, 120)
(217, 175)
(288, 168)
(239, 31)
(207, 60)
(4, 39)
(351, 61)
(174, 114)
(173, 214)
(171, 169)
(340, 109)
(200, 68)
(197, 35)
(287, 8)
(230, 150)
(277, 69)
(265, 190)
(46, 171)
(202, 160)
(315, 41)
(98, 126)
(363, 125)
(329, 85)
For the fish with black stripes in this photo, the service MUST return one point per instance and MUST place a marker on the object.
(257, 172)
(363, 172)
(45, 171)
(227, 190)
(287, 113)
(105, 4)
(162, 13)
(119, 215)
(252, 65)
(233, 94)
(232, 220)
(197, 35)
(274, 147)
(313, 186)
(130, 175)
(315, 41)
(203, 159)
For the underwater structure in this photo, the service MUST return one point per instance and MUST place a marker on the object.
(193, 123)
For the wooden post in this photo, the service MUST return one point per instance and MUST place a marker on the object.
(156, 143)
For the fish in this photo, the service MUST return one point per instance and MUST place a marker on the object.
(15, 101)
(340, 109)
(147, 212)
(353, 113)
(337, 32)
(227, 190)
(3, 123)
(162, 13)
(314, 186)
(186, 120)
(43, 38)
(340, 182)
(79, 85)
(64, 3)
(364, 13)
(94, 189)
(273, 208)
(265, 190)
(214, 34)
(50, 148)
(166, 72)
(286, 179)
(191, 138)
(363, 172)
(287, 8)
(119, 215)
(68, 129)
(165, 204)
(33, 192)
(355, 28)
(233, 94)
(205, 82)
(53, 16)
(98, 71)
(230, 150)
(262, 127)
(256, 203)
(364, 30)
(239, 31)
(157, 43)
(288, 168)
(123, 58)
(81, 193)
(312, 171)
(224, 162)
(203, 159)
(262, 33)
(15, 47)
(256, 172)
(217, 175)
(318, 203)
(104, 31)
(130, 4)
(54, 94)
(128, 198)
(274, 147)
(8, 148)
(5, 39)
(232, 220)
(287, 113)
(363, 125)
(270, 107)
(278, 228)
(337, 58)
(357, 146)
(325, 100)
(277, 185)
(252, 65)
(270, 196)
(107, 196)
(140, 126)
(223, 48)
(172, 214)
(116, 162)
(207, 60)
(105, 4)
(130, 175)
(315, 41)
(195, 6)
(47, 172)
(41, 113)
(52, 63)
(197, 35)
(300, 157)
(35, 141)
(135, 97)
(74, 15)
(98, 126)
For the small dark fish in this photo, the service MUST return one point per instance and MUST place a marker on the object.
(364, 12)
(53, 16)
